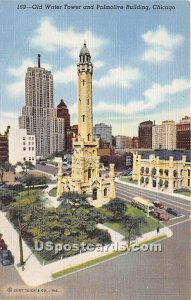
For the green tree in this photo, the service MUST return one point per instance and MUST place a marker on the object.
(118, 207)
(5, 166)
(133, 226)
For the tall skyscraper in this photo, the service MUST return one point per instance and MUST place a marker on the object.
(39, 116)
(145, 134)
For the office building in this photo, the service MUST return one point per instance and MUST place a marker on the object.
(22, 146)
(145, 134)
(39, 116)
(183, 133)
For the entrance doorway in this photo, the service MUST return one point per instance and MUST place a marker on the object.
(94, 194)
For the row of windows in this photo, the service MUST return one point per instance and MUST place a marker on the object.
(29, 149)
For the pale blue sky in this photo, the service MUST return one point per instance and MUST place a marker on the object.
(141, 59)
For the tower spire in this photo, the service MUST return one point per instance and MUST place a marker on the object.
(38, 60)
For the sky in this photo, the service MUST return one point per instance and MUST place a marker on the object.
(140, 57)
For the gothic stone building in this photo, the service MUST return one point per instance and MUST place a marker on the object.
(86, 168)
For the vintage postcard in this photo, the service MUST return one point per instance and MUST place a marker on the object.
(95, 150)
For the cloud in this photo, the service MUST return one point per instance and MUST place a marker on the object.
(17, 88)
(9, 118)
(51, 39)
(66, 76)
(70, 73)
(123, 77)
(161, 45)
(153, 96)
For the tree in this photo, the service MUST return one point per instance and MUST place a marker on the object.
(6, 197)
(22, 213)
(133, 226)
(31, 181)
(5, 166)
(118, 207)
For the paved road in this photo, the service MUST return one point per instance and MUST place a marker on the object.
(47, 168)
(127, 192)
(135, 276)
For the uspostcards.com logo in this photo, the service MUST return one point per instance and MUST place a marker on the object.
(89, 247)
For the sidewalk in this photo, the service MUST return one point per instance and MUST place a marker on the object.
(155, 191)
(51, 201)
(35, 274)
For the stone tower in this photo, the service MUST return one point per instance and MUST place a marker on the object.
(86, 168)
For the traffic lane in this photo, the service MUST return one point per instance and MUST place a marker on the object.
(161, 275)
(154, 197)
(47, 169)
(170, 196)
(173, 219)
(131, 195)
(9, 278)
(159, 196)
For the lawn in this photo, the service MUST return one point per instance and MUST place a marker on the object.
(151, 225)
(128, 179)
(53, 192)
(185, 193)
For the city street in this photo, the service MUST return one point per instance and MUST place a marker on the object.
(135, 276)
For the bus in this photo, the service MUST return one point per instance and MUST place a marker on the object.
(143, 204)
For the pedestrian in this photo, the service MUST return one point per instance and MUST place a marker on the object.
(158, 229)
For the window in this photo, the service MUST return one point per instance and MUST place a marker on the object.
(29, 148)
(89, 173)
(32, 158)
(83, 118)
(24, 143)
(32, 148)
(29, 158)
(23, 138)
(24, 148)
(105, 192)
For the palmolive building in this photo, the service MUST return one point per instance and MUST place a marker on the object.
(39, 116)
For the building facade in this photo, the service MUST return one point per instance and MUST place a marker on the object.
(135, 143)
(86, 167)
(169, 135)
(164, 136)
(163, 170)
(39, 116)
(183, 134)
(145, 134)
(103, 131)
(123, 142)
(22, 146)
(4, 147)
(63, 112)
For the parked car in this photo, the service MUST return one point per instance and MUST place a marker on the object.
(43, 163)
(162, 216)
(173, 211)
(158, 204)
(3, 246)
(2, 185)
(6, 257)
